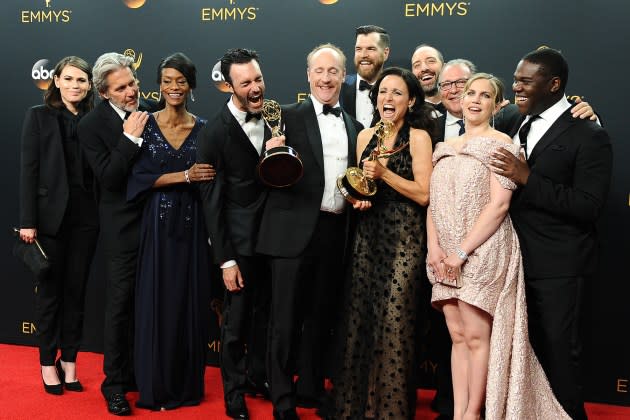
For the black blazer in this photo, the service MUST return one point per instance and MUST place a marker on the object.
(348, 95)
(233, 201)
(44, 190)
(555, 213)
(111, 155)
(291, 213)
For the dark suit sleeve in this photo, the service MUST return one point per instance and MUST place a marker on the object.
(111, 166)
(583, 199)
(29, 170)
(209, 150)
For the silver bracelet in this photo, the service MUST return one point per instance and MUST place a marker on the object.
(461, 254)
(186, 176)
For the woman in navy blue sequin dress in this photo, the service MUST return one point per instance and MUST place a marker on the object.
(173, 280)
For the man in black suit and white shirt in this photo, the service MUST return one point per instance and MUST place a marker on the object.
(304, 232)
(232, 142)
(564, 177)
(110, 138)
(371, 50)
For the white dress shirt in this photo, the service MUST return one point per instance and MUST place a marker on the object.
(254, 128)
(335, 147)
(540, 126)
(451, 126)
(364, 108)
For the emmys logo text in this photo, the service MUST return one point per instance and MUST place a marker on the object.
(42, 74)
(437, 8)
(47, 14)
(231, 12)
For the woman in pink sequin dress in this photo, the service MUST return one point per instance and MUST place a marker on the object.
(474, 263)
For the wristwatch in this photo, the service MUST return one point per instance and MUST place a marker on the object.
(461, 254)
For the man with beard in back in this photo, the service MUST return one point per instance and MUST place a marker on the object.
(371, 50)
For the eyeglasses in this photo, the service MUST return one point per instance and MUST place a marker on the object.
(460, 83)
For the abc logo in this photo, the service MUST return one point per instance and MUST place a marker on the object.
(217, 78)
(41, 75)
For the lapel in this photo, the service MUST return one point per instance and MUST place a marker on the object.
(307, 111)
(51, 124)
(113, 121)
(348, 97)
(351, 131)
(236, 133)
(557, 128)
(516, 126)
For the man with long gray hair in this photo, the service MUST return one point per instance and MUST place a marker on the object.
(110, 137)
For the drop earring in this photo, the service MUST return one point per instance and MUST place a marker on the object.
(160, 96)
(192, 97)
(492, 120)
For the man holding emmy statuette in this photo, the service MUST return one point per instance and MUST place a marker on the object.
(304, 232)
(232, 142)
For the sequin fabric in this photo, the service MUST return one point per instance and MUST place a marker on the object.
(388, 251)
(492, 279)
(169, 159)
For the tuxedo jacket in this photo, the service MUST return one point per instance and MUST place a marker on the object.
(233, 201)
(291, 213)
(555, 212)
(111, 155)
(44, 190)
(348, 95)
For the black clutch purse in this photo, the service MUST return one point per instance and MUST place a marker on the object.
(32, 255)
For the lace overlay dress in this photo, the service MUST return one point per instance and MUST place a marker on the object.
(492, 279)
(388, 252)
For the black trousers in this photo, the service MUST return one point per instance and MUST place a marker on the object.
(554, 309)
(119, 320)
(244, 328)
(303, 292)
(60, 294)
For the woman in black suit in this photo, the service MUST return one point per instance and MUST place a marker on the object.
(57, 206)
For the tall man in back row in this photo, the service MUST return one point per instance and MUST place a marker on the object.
(564, 177)
(371, 50)
(304, 231)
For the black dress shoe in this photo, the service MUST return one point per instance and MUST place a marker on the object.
(118, 405)
(70, 386)
(289, 414)
(235, 407)
(56, 389)
(255, 389)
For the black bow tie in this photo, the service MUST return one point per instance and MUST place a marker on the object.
(251, 115)
(127, 114)
(363, 85)
(336, 111)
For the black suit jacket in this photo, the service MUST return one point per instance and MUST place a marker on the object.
(348, 95)
(555, 212)
(233, 201)
(291, 213)
(111, 155)
(44, 190)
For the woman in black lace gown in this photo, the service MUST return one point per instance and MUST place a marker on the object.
(376, 379)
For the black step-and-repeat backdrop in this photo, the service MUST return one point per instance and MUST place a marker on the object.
(494, 34)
